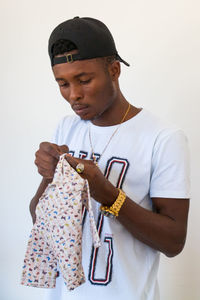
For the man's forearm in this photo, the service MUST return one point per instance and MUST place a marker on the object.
(37, 196)
(163, 229)
(160, 231)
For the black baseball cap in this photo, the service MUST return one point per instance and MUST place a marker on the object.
(91, 37)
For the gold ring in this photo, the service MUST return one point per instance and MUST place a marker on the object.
(80, 168)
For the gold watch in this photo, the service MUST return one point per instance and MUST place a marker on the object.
(113, 210)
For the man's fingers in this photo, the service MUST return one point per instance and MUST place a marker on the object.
(46, 174)
(51, 149)
(46, 164)
(72, 161)
(54, 151)
(64, 149)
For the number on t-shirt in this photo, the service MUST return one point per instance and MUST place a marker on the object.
(113, 164)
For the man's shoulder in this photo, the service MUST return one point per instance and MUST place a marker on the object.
(156, 130)
(158, 123)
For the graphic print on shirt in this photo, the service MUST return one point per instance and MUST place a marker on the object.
(71, 153)
(112, 164)
(94, 255)
(123, 165)
(83, 154)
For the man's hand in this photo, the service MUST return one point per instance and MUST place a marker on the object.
(101, 189)
(47, 158)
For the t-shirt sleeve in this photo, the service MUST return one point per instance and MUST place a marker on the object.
(170, 174)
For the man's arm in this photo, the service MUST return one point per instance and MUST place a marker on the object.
(37, 196)
(163, 229)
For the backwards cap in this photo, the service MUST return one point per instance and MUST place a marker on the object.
(91, 37)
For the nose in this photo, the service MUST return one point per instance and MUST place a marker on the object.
(75, 93)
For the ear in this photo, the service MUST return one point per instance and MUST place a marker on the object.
(114, 70)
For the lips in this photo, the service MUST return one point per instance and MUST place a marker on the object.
(80, 109)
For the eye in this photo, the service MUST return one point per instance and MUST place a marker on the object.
(63, 84)
(85, 81)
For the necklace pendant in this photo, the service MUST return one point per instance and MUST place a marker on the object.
(94, 160)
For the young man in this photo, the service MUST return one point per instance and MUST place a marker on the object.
(136, 166)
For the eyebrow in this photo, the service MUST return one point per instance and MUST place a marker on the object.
(76, 76)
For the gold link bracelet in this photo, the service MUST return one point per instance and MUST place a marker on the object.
(113, 210)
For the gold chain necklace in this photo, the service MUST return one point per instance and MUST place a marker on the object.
(122, 120)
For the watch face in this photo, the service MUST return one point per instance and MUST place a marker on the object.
(107, 214)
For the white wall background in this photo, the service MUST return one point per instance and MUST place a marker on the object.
(161, 40)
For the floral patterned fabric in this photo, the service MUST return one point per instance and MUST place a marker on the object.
(56, 236)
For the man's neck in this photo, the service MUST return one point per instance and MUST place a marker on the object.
(115, 113)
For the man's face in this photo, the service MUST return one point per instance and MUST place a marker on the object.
(88, 87)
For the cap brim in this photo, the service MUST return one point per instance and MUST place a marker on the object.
(123, 61)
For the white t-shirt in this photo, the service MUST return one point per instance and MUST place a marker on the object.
(146, 158)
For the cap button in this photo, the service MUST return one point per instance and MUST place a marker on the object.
(76, 17)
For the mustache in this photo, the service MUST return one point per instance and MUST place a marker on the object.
(77, 106)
